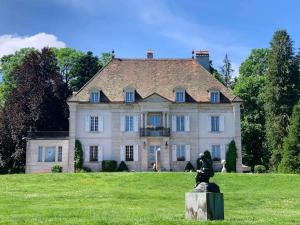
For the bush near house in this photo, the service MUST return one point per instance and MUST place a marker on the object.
(123, 167)
(109, 165)
(259, 169)
(56, 169)
(78, 161)
(231, 157)
(189, 167)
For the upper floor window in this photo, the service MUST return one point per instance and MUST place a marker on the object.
(180, 123)
(94, 123)
(129, 96)
(215, 123)
(180, 96)
(214, 96)
(95, 96)
(128, 123)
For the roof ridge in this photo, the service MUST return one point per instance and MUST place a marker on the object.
(156, 59)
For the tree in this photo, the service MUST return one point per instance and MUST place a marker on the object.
(290, 162)
(8, 65)
(106, 57)
(226, 71)
(215, 73)
(85, 68)
(281, 92)
(67, 58)
(78, 156)
(231, 157)
(38, 99)
(249, 86)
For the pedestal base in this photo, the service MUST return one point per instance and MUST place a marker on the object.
(204, 206)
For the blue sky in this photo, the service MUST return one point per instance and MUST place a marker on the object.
(170, 28)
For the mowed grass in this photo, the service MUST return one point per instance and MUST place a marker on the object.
(143, 198)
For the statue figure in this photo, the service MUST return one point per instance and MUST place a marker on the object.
(204, 173)
(224, 168)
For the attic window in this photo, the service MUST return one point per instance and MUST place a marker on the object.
(214, 96)
(95, 96)
(129, 96)
(180, 95)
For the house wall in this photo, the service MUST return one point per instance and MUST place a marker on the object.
(32, 164)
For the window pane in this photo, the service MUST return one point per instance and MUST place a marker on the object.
(59, 154)
(179, 96)
(95, 97)
(93, 153)
(216, 153)
(129, 152)
(94, 123)
(128, 123)
(50, 154)
(180, 152)
(180, 123)
(215, 123)
(40, 154)
(214, 97)
(129, 96)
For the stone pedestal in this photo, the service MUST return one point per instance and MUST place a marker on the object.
(204, 206)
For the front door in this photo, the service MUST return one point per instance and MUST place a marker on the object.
(152, 155)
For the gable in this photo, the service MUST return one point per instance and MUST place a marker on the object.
(155, 98)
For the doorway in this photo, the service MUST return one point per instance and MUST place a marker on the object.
(152, 155)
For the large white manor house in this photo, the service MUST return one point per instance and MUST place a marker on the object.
(133, 107)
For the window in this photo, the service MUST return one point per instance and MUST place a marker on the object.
(180, 96)
(94, 123)
(59, 154)
(50, 154)
(180, 152)
(40, 154)
(129, 152)
(129, 96)
(155, 120)
(215, 123)
(215, 97)
(128, 123)
(180, 123)
(95, 96)
(93, 153)
(216, 152)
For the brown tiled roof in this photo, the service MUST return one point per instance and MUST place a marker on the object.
(148, 76)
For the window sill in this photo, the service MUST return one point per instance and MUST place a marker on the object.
(216, 132)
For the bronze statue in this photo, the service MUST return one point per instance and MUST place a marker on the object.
(204, 173)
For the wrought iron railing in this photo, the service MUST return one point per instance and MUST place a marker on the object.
(47, 134)
(155, 132)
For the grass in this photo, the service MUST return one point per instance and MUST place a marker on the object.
(143, 198)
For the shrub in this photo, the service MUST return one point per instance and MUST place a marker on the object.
(56, 169)
(78, 161)
(123, 167)
(189, 167)
(109, 165)
(260, 169)
(231, 156)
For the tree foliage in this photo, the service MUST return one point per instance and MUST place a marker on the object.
(38, 99)
(226, 71)
(78, 161)
(231, 156)
(290, 162)
(281, 92)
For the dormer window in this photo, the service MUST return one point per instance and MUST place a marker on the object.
(95, 96)
(129, 96)
(214, 96)
(180, 95)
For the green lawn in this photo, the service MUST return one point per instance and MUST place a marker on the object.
(143, 198)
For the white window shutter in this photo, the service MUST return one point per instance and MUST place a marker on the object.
(187, 123)
(209, 123)
(223, 152)
(87, 123)
(136, 153)
(173, 123)
(87, 153)
(187, 153)
(136, 123)
(100, 153)
(174, 157)
(122, 123)
(222, 123)
(122, 152)
(101, 123)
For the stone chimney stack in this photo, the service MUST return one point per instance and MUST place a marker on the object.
(149, 54)
(202, 57)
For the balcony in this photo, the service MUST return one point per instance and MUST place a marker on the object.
(155, 132)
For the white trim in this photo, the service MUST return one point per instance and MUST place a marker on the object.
(135, 153)
(187, 123)
(174, 156)
(187, 153)
(122, 153)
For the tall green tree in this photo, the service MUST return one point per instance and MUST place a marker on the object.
(38, 99)
(290, 162)
(249, 86)
(227, 71)
(67, 58)
(215, 73)
(85, 68)
(281, 92)
(106, 57)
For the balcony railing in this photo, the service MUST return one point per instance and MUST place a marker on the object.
(155, 132)
(48, 134)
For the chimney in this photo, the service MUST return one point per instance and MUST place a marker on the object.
(149, 54)
(202, 57)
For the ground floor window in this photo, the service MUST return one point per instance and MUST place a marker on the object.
(40, 154)
(50, 154)
(59, 154)
(180, 152)
(93, 153)
(216, 152)
(129, 152)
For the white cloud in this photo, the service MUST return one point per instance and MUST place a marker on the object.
(9, 44)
